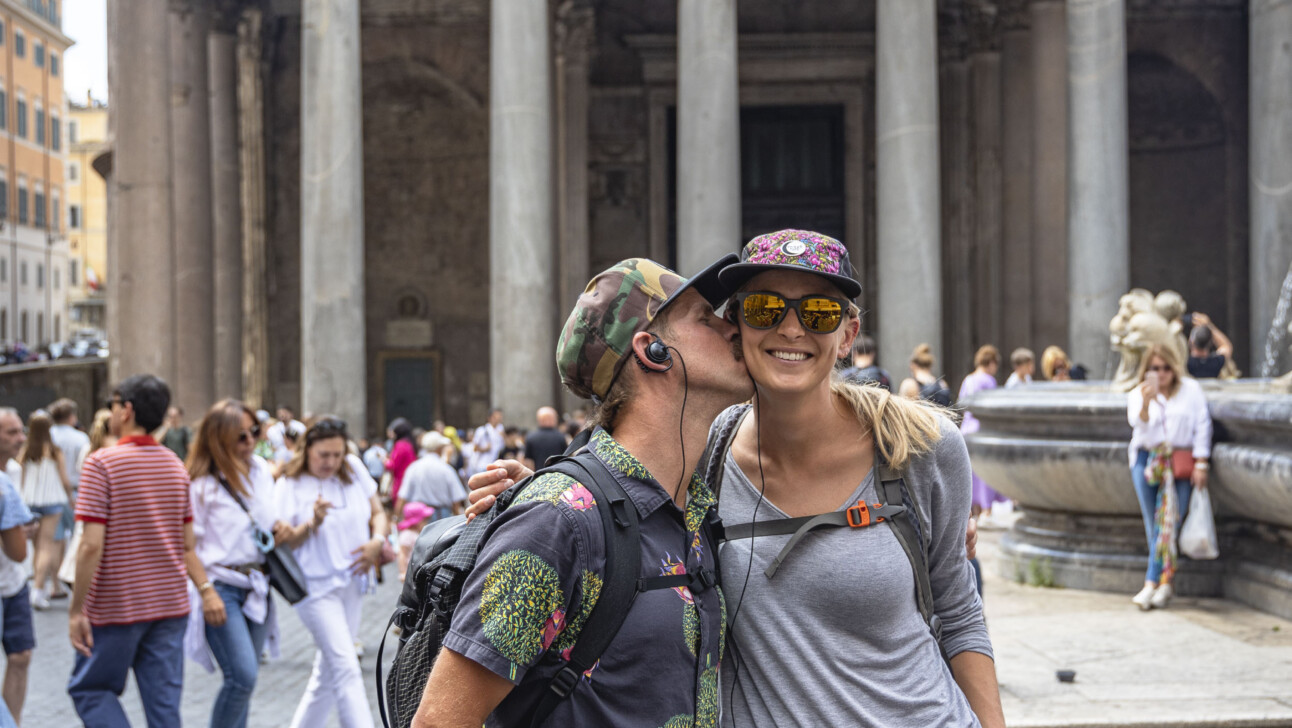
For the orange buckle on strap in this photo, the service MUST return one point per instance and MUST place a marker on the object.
(859, 515)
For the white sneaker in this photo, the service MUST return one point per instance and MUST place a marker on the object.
(1144, 598)
(358, 649)
(1162, 596)
(39, 601)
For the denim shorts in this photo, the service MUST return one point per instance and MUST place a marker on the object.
(19, 635)
(53, 509)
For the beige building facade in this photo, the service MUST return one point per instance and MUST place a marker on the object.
(87, 216)
(34, 281)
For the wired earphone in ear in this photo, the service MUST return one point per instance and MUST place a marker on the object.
(656, 353)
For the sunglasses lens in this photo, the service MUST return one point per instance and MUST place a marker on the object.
(763, 310)
(820, 315)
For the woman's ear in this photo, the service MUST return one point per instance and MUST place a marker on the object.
(850, 328)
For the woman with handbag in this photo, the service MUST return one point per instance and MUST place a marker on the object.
(337, 526)
(1170, 449)
(233, 515)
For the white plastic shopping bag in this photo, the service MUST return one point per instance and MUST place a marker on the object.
(1198, 535)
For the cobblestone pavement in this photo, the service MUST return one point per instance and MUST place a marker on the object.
(279, 688)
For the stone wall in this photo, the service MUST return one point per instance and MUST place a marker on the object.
(28, 387)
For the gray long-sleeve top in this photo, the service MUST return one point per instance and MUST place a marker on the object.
(835, 637)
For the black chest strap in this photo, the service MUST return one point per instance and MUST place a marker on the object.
(858, 516)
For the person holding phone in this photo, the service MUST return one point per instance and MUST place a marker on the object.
(1168, 414)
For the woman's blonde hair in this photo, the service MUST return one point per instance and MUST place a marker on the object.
(217, 436)
(1166, 354)
(904, 428)
(323, 428)
(922, 357)
(100, 429)
(1051, 358)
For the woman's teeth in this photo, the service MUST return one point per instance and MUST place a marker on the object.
(789, 355)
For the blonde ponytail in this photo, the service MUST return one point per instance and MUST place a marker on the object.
(904, 428)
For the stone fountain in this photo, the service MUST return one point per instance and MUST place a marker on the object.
(1059, 450)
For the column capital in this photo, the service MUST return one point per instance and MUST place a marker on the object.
(1013, 15)
(225, 15)
(983, 21)
(575, 30)
(953, 33)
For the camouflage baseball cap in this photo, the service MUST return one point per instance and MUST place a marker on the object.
(619, 302)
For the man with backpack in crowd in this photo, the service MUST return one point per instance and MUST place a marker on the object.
(550, 573)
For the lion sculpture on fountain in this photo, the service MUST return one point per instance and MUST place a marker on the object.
(1137, 326)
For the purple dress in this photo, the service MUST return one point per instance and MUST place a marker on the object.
(983, 495)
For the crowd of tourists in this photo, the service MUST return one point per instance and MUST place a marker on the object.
(172, 541)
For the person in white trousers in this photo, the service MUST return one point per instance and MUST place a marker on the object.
(337, 527)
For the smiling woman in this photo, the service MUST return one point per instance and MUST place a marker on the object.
(812, 446)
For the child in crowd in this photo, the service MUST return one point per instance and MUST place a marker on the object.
(1024, 363)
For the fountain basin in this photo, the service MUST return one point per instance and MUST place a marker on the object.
(1059, 451)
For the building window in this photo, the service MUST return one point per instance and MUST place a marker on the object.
(4, 197)
(22, 118)
(57, 282)
(71, 273)
(56, 216)
(19, 44)
(72, 131)
(2, 33)
(4, 273)
(24, 325)
(40, 327)
(55, 133)
(58, 326)
(73, 169)
(40, 126)
(40, 276)
(53, 63)
(4, 325)
(22, 273)
(38, 54)
(74, 217)
(40, 209)
(22, 205)
(4, 109)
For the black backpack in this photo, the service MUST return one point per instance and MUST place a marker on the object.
(446, 552)
(899, 510)
(937, 392)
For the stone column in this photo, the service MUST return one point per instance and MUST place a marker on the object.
(1050, 176)
(194, 332)
(1098, 194)
(708, 133)
(226, 217)
(575, 27)
(333, 347)
(522, 252)
(141, 300)
(1016, 192)
(251, 193)
(906, 148)
(574, 37)
(1271, 175)
(985, 85)
(955, 112)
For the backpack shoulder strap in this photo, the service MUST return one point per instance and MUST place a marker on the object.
(623, 567)
(714, 458)
(910, 533)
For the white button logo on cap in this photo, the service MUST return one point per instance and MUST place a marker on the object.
(794, 247)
